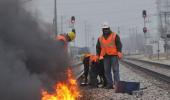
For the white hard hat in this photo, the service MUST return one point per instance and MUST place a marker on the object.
(105, 25)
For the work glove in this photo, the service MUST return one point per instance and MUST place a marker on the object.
(120, 55)
(101, 58)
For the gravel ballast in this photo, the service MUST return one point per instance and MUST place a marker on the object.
(156, 90)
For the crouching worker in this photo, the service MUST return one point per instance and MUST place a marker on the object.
(101, 74)
(86, 61)
(94, 71)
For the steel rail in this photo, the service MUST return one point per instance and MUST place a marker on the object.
(151, 62)
(148, 71)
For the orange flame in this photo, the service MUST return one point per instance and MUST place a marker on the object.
(64, 90)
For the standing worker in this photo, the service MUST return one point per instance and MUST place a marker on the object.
(109, 48)
(65, 38)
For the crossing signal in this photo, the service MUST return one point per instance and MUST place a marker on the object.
(144, 14)
(144, 30)
(72, 19)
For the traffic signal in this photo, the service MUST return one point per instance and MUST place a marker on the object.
(144, 30)
(144, 14)
(72, 19)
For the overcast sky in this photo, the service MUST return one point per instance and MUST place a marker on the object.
(124, 13)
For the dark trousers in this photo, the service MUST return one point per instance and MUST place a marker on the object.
(86, 71)
(111, 64)
(94, 74)
(101, 73)
(97, 68)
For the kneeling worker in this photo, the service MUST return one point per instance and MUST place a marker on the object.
(93, 71)
(86, 61)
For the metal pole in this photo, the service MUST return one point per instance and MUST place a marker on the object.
(61, 24)
(55, 17)
(85, 31)
(158, 50)
(74, 40)
(166, 50)
(144, 22)
(136, 32)
(118, 30)
(145, 36)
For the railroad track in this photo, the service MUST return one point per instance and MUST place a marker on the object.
(151, 62)
(78, 70)
(155, 74)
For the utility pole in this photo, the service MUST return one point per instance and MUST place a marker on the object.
(144, 13)
(158, 50)
(136, 32)
(118, 30)
(166, 32)
(93, 43)
(166, 50)
(85, 32)
(131, 40)
(61, 24)
(55, 17)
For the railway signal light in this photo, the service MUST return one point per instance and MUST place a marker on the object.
(144, 29)
(72, 19)
(144, 14)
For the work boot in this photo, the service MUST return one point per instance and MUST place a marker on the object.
(114, 86)
(103, 86)
(109, 87)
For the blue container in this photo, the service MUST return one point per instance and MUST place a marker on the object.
(127, 87)
(132, 86)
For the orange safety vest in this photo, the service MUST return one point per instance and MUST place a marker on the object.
(108, 46)
(62, 38)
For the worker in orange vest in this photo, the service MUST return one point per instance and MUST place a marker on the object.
(109, 48)
(65, 38)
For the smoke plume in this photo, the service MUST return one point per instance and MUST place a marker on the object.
(28, 60)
